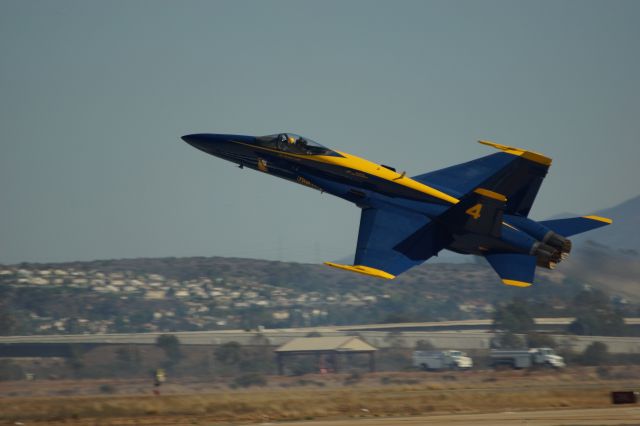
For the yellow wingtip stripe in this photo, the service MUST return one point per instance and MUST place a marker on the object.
(599, 219)
(490, 194)
(361, 269)
(493, 144)
(516, 283)
(529, 155)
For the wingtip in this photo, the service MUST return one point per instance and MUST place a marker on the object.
(493, 144)
(516, 283)
(599, 219)
(361, 269)
(529, 155)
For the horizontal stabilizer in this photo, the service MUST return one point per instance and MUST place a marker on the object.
(576, 225)
(513, 268)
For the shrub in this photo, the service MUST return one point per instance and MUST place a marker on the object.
(353, 378)
(596, 353)
(229, 353)
(171, 347)
(539, 340)
(514, 317)
(251, 379)
(10, 371)
(106, 388)
(508, 340)
(424, 345)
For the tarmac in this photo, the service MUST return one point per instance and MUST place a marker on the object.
(622, 415)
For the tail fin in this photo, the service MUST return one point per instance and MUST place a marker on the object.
(479, 212)
(516, 173)
(576, 225)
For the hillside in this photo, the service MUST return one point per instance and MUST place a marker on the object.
(200, 293)
(196, 293)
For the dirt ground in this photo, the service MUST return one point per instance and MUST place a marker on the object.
(578, 396)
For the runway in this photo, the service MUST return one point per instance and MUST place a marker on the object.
(598, 416)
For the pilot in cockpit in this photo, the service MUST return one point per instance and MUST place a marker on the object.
(302, 143)
(283, 141)
(292, 143)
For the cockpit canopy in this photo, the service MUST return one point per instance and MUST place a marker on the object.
(295, 144)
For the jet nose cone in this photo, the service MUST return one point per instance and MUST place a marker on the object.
(196, 140)
(207, 142)
(216, 143)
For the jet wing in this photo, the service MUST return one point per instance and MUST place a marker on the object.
(513, 268)
(516, 173)
(391, 241)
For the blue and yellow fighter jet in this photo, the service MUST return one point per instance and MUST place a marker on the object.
(479, 207)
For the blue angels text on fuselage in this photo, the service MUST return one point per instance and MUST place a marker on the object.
(479, 207)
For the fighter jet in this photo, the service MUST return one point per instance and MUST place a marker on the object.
(480, 207)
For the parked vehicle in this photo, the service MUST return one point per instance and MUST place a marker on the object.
(526, 358)
(442, 360)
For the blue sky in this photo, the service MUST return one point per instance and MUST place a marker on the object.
(95, 95)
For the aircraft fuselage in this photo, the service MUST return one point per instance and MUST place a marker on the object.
(351, 178)
(381, 188)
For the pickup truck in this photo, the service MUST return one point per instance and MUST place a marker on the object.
(442, 360)
(526, 358)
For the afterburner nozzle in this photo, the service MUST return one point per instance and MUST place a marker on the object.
(558, 241)
(547, 256)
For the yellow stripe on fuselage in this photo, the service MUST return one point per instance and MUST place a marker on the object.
(373, 169)
(358, 164)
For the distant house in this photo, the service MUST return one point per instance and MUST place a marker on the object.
(154, 295)
(181, 293)
(329, 351)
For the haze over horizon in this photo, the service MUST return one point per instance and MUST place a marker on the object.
(95, 97)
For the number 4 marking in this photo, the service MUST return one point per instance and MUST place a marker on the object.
(474, 211)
